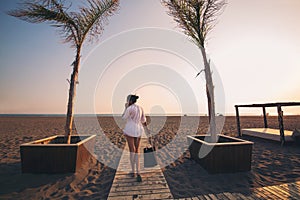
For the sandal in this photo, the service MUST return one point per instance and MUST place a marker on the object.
(139, 178)
(131, 174)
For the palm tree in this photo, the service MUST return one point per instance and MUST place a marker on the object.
(75, 28)
(197, 18)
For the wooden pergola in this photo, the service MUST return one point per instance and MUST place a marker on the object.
(279, 106)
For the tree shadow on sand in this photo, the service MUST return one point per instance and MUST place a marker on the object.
(13, 181)
(93, 181)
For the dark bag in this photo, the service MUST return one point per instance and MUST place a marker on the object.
(149, 157)
(149, 153)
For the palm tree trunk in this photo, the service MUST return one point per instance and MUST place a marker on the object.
(210, 97)
(71, 100)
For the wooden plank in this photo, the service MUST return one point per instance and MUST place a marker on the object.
(236, 195)
(274, 193)
(270, 104)
(134, 183)
(201, 197)
(278, 191)
(138, 187)
(206, 197)
(140, 192)
(295, 188)
(156, 196)
(149, 173)
(244, 197)
(138, 196)
(213, 197)
(258, 195)
(125, 179)
(290, 191)
(255, 197)
(291, 188)
(266, 193)
(222, 196)
(283, 191)
(296, 185)
(229, 195)
(123, 198)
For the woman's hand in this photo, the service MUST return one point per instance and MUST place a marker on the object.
(126, 106)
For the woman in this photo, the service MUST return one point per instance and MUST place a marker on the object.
(133, 131)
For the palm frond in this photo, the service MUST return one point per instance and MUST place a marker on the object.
(92, 19)
(212, 9)
(36, 13)
(196, 17)
(73, 26)
(184, 17)
(51, 11)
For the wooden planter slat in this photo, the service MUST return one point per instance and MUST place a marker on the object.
(231, 155)
(46, 156)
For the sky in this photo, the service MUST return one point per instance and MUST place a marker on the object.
(254, 50)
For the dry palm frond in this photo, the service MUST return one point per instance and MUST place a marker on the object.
(196, 17)
(92, 19)
(73, 26)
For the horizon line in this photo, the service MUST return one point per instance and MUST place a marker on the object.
(119, 115)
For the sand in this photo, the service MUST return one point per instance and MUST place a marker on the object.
(271, 163)
(93, 181)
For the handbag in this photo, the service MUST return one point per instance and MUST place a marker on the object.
(149, 153)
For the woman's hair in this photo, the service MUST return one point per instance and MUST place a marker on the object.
(132, 98)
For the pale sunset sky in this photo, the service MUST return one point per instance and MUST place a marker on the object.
(254, 47)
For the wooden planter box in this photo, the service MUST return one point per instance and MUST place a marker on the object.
(53, 155)
(228, 155)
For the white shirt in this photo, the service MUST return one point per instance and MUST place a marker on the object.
(135, 116)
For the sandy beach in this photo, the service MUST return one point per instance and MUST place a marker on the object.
(272, 164)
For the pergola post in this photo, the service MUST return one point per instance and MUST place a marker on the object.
(238, 120)
(280, 121)
(265, 117)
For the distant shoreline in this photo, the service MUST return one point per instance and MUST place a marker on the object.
(118, 115)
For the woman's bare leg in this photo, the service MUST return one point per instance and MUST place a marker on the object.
(137, 142)
(131, 145)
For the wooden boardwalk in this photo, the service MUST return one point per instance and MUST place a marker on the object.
(278, 192)
(153, 186)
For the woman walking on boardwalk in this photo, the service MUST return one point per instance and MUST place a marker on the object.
(133, 131)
